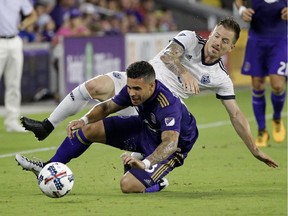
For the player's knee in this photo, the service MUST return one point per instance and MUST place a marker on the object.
(95, 132)
(277, 88)
(90, 86)
(129, 184)
(125, 186)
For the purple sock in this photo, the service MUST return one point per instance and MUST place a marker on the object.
(278, 103)
(259, 107)
(71, 148)
(153, 188)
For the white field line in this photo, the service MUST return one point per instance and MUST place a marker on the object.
(201, 126)
(28, 151)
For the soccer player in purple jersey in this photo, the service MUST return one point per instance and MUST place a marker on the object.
(164, 131)
(266, 55)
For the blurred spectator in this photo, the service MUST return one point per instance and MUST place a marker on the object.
(45, 26)
(61, 11)
(166, 21)
(98, 17)
(28, 35)
(73, 26)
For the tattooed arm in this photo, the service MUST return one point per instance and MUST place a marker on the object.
(171, 58)
(167, 147)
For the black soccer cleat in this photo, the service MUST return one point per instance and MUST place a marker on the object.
(41, 129)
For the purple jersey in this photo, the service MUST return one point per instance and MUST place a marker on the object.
(267, 22)
(266, 49)
(162, 112)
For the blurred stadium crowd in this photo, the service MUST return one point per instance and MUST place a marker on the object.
(100, 17)
(95, 17)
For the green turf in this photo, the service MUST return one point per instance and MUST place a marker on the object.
(220, 177)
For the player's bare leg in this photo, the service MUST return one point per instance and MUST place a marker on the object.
(98, 88)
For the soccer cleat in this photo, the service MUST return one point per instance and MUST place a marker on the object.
(163, 183)
(29, 165)
(262, 138)
(41, 129)
(278, 130)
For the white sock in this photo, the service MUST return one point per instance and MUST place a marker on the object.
(73, 103)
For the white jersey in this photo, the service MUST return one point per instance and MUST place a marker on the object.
(212, 77)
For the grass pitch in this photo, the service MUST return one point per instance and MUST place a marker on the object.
(220, 177)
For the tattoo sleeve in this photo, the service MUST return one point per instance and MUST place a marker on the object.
(171, 58)
(167, 147)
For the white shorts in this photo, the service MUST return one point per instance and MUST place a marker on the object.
(120, 80)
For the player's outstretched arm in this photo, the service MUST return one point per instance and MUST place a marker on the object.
(98, 112)
(242, 127)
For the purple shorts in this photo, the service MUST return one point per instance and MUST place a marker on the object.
(265, 56)
(127, 133)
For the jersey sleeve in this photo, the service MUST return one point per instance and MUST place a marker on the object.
(122, 98)
(225, 90)
(170, 117)
(186, 39)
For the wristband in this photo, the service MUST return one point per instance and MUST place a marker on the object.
(241, 10)
(147, 163)
(85, 119)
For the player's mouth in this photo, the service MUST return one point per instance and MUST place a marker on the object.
(135, 100)
(215, 49)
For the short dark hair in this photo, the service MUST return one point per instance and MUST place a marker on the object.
(230, 24)
(141, 69)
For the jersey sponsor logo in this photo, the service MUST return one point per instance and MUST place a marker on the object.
(149, 126)
(169, 121)
(153, 118)
(117, 75)
(205, 79)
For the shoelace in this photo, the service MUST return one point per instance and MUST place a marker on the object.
(37, 163)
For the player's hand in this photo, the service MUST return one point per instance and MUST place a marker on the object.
(133, 162)
(190, 84)
(284, 13)
(264, 158)
(247, 14)
(74, 125)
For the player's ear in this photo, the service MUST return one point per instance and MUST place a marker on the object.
(232, 47)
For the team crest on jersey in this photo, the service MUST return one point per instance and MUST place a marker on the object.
(246, 66)
(205, 79)
(169, 121)
(117, 75)
(153, 118)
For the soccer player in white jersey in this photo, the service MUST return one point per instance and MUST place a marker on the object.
(187, 65)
